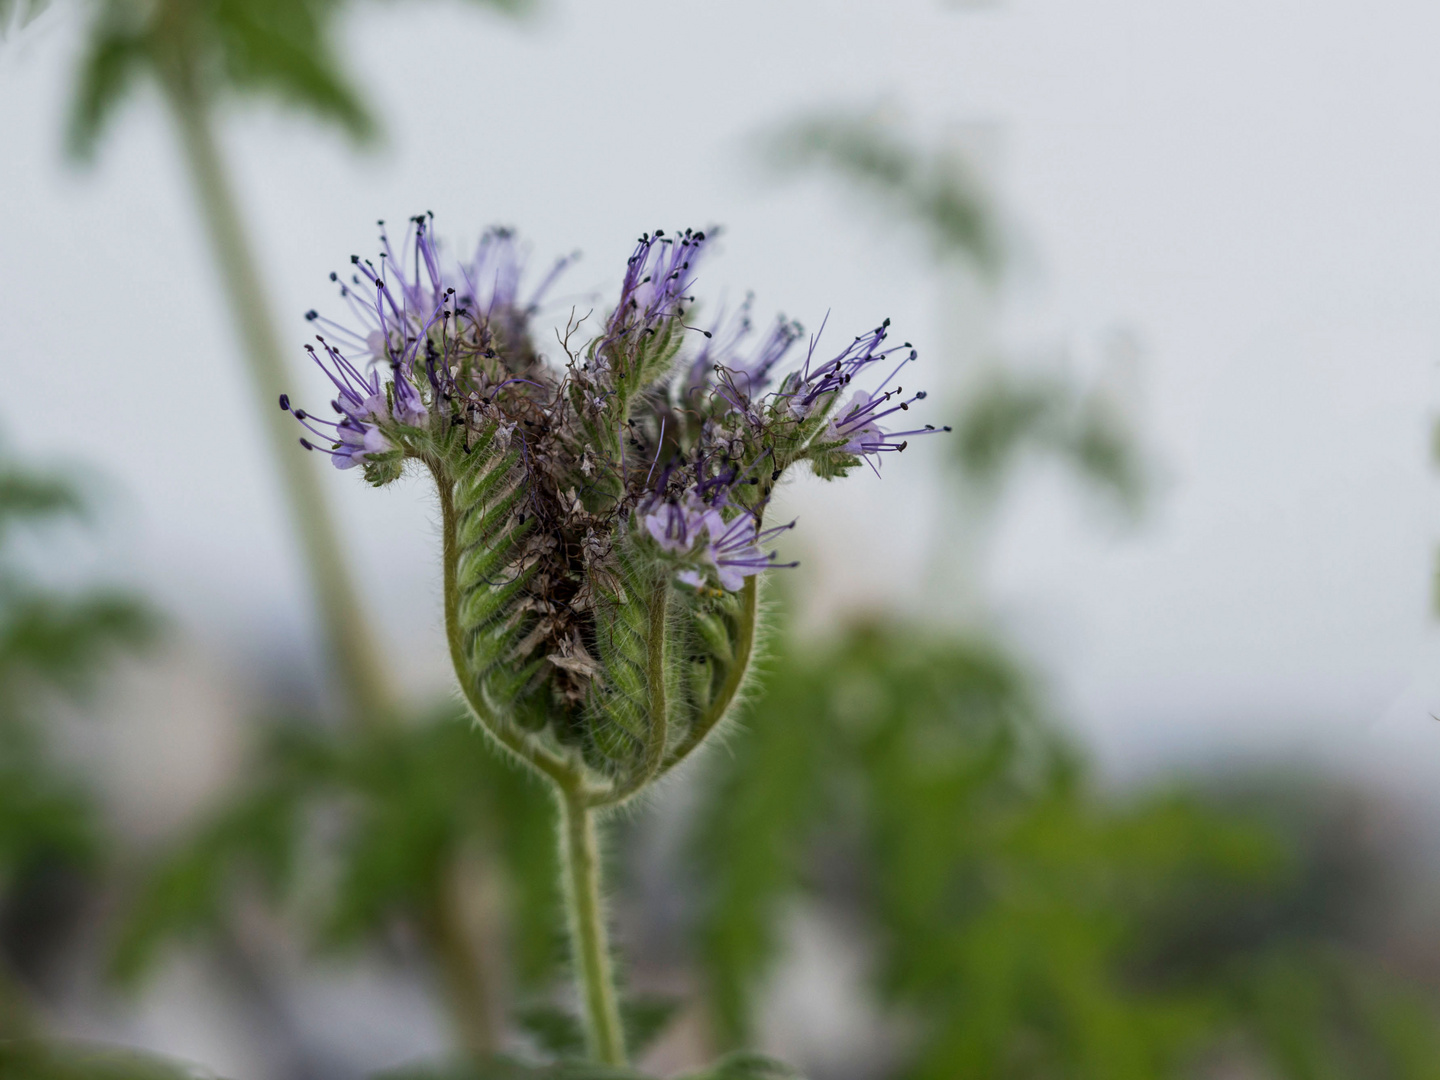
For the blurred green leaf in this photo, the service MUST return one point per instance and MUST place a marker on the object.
(1023, 925)
(746, 1066)
(505, 1068)
(115, 57)
(1009, 414)
(762, 799)
(19, 13)
(555, 1031)
(936, 192)
(411, 800)
(202, 50)
(189, 892)
(559, 1032)
(30, 497)
(738, 1066)
(53, 644)
(63, 641)
(33, 1060)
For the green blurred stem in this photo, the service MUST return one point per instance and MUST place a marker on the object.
(596, 981)
(460, 956)
(17, 1013)
(351, 646)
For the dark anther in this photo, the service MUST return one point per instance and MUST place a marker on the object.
(311, 315)
(775, 476)
(301, 414)
(334, 276)
(921, 395)
(905, 406)
(306, 444)
(903, 445)
(285, 402)
(947, 427)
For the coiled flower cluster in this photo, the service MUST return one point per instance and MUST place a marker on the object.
(604, 508)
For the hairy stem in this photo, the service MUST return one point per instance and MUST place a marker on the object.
(604, 1035)
(578, 844)
(734, 677)
(350, 643)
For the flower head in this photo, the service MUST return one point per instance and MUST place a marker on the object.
(581, 487)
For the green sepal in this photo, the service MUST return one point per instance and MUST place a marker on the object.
(715, 636)
(383, 468)
(617, 714)
(484, 602)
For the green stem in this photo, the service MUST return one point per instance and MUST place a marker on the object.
(351, 646)
(577, 817)
(605, 1036)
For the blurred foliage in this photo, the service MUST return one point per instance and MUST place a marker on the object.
(54, 644)
(282, 49)
(1025, 927)
(33, 1060)
(19, 13)
(1005, 413)
(937, 193)
(739, 1066)
(559, 1032)
(1009, 413)
(411, 801)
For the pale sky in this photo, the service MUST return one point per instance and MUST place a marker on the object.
(1251, 189)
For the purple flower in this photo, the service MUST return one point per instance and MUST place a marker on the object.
(487, 289)
(857, 423)
(736, 376)
(362, 406)
(813, 385)
(419, 319)
(393, 304)
(658, 277)
(729, 550)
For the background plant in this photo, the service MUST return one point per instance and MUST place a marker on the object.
(56, 642)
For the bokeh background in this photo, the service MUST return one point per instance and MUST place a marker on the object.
(1098, 737)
